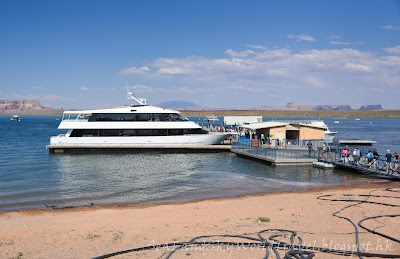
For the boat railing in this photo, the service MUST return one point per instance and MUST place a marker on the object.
(80, 117)
(75, 119)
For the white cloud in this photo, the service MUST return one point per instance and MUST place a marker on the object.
(315, 82)
(357, 67)
(243, 89)
(173, 71)
(141, 89)
(84, 89)
(256, 47)
(393, 50)
(240, 54)
(184, 90)
(135, 71)
(281, 72)
(345, 43)
(302, 37)
(391, 27)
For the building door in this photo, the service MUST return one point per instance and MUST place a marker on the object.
(279, 135)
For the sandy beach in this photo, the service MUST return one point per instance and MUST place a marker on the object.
(95, 231)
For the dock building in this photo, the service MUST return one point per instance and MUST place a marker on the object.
(286, 130)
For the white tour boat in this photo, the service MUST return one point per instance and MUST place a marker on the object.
(328, 135)
(15, 118)
(134, 125)
(211, 118)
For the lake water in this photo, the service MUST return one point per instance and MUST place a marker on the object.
(30, 177)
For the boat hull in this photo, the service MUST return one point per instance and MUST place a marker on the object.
(195, 139)
(328, 136)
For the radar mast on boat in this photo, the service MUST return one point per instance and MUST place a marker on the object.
(141, 101)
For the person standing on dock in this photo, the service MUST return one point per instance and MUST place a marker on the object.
(396, 161)
(376, 157)
(355, 158)
(344, 155)
(388, 161)
(309, 146)
(324, 154)
(370, 156)
(262, 137)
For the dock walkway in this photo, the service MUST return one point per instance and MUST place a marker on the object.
(302, 156)
(376, 168)
(275, 156)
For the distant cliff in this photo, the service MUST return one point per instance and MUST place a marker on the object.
(293, 107)
(24, 107)
(371, 107)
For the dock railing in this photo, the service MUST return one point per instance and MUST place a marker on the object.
(362, 163)
(274, 152)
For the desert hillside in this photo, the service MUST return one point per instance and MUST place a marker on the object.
(25, 107)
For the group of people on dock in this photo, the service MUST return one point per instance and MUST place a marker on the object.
(372, 157)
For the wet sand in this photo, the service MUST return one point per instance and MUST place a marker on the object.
(98, 230)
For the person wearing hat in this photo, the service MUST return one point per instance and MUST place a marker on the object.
(388, 161)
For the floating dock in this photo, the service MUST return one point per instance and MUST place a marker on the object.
(125, 147)
(355, 142)
(277, 161)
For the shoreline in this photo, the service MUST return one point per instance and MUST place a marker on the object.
(139, 205)
(91, 232)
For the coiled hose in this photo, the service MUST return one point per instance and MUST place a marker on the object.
(273, 245)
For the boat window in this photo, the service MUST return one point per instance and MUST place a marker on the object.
(158, 116)
(76, 133)
(128, 132)
(159, 132)
(175, 132)
(143, 132)
(194, 131)
(99, 117)
(142, 117)
(114, 117)
(90, 132)
(133, 132)
(110, 132)
(136, 117)
(128, 117)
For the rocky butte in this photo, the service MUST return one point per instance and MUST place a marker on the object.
(24, 107)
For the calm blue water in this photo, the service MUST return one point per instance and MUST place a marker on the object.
(31, 177)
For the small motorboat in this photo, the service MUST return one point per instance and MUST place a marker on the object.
(15, 118)
(357, 119)
(211, 118)
(336, 122)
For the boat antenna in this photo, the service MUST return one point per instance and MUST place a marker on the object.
(141, 101)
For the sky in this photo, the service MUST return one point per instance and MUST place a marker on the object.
(217, 54)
